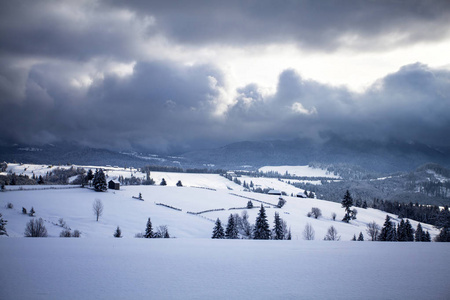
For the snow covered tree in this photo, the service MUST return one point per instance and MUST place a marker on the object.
(118, 232)
(246, 230)
(3, 226)
(316, 212)
(387, 233)
(148, 230)
(89, 176)
(308, 232)
(232, 231)
(332, 235)
(261, 230)
(347, 202)
(36, 228)
(97, 207)
(373, 230)
(278, 230)
(218, 232)
(361, 237)
(99, 181)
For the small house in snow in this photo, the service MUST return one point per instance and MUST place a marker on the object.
(274, 192)
(114, 185)
(301, 195)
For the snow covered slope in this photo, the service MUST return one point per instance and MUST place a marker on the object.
(74, 205)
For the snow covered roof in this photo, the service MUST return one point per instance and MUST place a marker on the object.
(274, 192)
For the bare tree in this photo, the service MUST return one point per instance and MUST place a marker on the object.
(98, 208)
(308, 232)
(316, 212)
(332, 235)
(373, 230)
(35, 228)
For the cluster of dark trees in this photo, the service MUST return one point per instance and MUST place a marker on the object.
(173, 169)
(404, 232)
(239, 227)
(161, 231)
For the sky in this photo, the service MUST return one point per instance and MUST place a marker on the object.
(184, 75)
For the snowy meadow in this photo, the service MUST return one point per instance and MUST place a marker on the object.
(191, 265)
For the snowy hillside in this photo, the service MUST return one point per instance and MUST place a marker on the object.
(74, 205)
(300, 171)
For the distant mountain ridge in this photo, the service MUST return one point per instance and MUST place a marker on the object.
(379, 157)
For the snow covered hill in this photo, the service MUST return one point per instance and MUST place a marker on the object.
(206, 192)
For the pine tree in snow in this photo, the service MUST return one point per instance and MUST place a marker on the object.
(148, 230)
(99, 181)
(232, 231)
(278, 230)
(361, 237)
(261, 231)
(420, 235)
(387, 231)
(3, 226)
(409, 231)
(118, 232)
(347, 202)
(218, 232)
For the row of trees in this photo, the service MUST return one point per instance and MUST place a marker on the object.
(239, 227)
(390, 232)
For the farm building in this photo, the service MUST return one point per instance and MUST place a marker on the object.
(114, 185)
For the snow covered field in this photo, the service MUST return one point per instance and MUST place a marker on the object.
(108, 268)
(192, 266)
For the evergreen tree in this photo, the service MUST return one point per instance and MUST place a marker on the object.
(3, 226)
(163, 182)
(387, 231)
(261, 231)
(232, 231)
(118, 232)
(409, 231)
(40, 180)
(218, 230)
(289, 235)
(364, 205)
(32, 212)
(249, 204)
(347, 202)
(354, 237)
(149, 230)
(361, 237)
(89, 176)
(99, 181)
(179, 183)
(401, 231)
(419, 236)
(278, 230)
(427, 237)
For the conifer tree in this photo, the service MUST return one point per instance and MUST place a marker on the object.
(99, 181)
(427, 237)
(149, 230)
(163, 182)
(409, 231)
(347, 202)
(289, 235)
(361, 237)
(261, 231)
(401, 231)
(354, 237)
(218, 230)
(118, 232)
(32, 212)
(3, 226)
(278, 231)
(232, 231)
(419, 236)
(249, 204)
(89, 176)
(387, 233)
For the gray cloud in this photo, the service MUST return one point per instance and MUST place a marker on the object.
(55, 83)
(317, 25)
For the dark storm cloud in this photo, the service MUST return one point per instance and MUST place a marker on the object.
(47, 48)
(412, 104)
(318, 25)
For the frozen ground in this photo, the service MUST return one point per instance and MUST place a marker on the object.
(108, 268)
